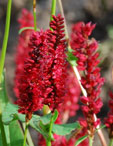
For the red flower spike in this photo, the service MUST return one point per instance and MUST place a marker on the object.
(70, 100)
(85, 50)
(26, 19)
(22, 49)
(57, 67)
(30, 83)
(111, 95)
(67, 109)
(84, 100)
(42, 78)
(109, 119)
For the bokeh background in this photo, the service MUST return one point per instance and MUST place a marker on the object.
(96, 11)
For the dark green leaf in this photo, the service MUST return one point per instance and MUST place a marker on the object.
(81, 139)
(65, 129)
(1, 139)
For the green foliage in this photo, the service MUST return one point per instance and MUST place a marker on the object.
(9, 113)
(1, 139)
(10, 135)
(16, 134)
(37, 126)
(65, 129)
(71, 58)
(3, 102)
(45, 119)
(55, 116)
(80, 140)
(26, 28)
(39, 123)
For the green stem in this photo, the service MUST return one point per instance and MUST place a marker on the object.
(29, 139)
(90, 141)
(53, 9)
(25, 134)
(5, 40)
(4, 142)
(111, 142)
(48, 141)
(34, 14)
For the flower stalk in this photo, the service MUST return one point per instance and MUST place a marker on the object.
(5, 40)
(111, 142)
(48, 140)
(90, 141)
(25, 133)
(53, 9)
(34, 14)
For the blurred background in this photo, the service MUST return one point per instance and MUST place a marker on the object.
(96, 11)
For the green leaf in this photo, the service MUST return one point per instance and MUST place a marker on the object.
(26, 28)
(3, 102)
(41, 124)
(1, 139)
(9, 112)
(16, 134)
(36, 125)
(55, 116)
(10, 135)
(2, 131)
(81, 139)
(3, 94)
(65, 129)
(46, 119)
(71, 58)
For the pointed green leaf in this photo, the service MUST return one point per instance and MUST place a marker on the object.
(65, 129)
(81, 139)
(55, 116)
